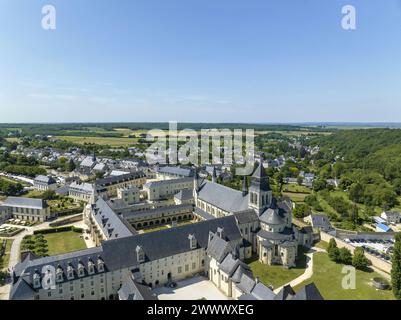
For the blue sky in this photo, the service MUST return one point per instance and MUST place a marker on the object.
(200, 60)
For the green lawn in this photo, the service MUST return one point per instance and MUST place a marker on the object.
(296, 197)
(327, 276)
(62, 242)
(322, 245)
(296, 189)
(153, 229)
(277, 275)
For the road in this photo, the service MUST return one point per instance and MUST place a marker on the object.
(19, 178)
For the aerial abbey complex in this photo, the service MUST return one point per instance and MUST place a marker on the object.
(213, 230)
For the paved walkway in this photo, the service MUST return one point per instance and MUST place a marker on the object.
(308, 271)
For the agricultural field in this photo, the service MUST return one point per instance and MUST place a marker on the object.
(113, 142)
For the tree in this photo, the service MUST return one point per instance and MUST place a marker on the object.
(71, 165)
(319, 185)
(332, 250)
(49, 195)
(345, 256)
(396, 267)
(359, 261)
(354, 214)
(356, 192)
(302, 210)
(300, 180)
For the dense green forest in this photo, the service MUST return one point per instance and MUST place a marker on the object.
(368, 163)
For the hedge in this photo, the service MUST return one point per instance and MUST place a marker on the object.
(60, 229)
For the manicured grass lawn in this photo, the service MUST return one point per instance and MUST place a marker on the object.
(328, 276)
(153, 229)
(322, 245)
(62, 242)
(277, 275)
(6, 257)
(296, 197)
(296, 188)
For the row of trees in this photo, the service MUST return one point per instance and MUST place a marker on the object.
(9, 188)
(344, 256)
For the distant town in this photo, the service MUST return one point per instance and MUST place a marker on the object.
(85, 216)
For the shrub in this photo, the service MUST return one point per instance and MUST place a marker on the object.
(345, 256)
(359, 261)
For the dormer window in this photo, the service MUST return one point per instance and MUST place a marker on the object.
(140, 254)
(100, 265)
(192, 241)
(70, 272)
(59, 274)
(36, 280)
(81, 269)
(220, 233)
(91, 267)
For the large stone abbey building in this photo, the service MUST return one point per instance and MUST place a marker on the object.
(227, 226)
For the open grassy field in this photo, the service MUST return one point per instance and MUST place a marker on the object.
(296, 197)
(63, 242)
(18, 140)
(113, 142)
(328, 277)
(277, 275)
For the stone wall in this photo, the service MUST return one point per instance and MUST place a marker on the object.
(376, 262)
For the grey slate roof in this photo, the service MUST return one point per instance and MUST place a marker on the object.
(21, 290)
(229, 264)
(261, 292)
(119, 179)
(260, 180)
(241, 270)
(45, 179)
(247, 216)
(177, 171)
(218, 248)
(167, 182)
(25, 203)
(287, 234)
(321, 221)
(271, 216)
(308, 292)
(285, 293)
(246, 284)
(112, 225)
(82, 186)
(167, 242)
(203, 214)
(132, 290)
(184, 194)
(225, 198)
